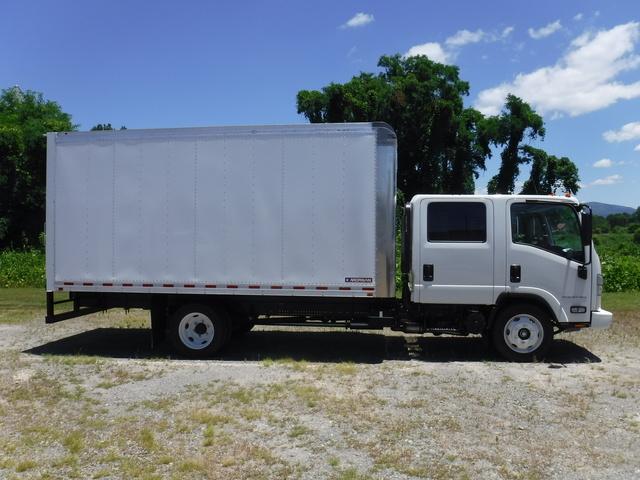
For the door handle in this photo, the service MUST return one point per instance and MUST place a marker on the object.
(427, 272)
(515, 273)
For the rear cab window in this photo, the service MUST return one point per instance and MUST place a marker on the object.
(457, 222)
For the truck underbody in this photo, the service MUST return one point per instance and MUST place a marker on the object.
(350, 313)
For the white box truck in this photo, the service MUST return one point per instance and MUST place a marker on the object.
(217, 229)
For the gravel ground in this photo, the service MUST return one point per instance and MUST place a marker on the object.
(88, 398)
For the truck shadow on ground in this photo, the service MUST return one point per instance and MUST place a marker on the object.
(326, 346)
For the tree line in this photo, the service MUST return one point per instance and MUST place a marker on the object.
(442, 145)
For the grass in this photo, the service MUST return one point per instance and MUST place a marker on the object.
(350, 474)
(298, 431)
(25, 465)
(148, 440)
(621, 301)
(21, 304)
(74, 442)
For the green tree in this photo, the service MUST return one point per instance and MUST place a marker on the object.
(517, 121)
(101, 126)
(441, 145)
(25, 116)
(600, 224)
(618, 220)
(105, 126)
(549, 173)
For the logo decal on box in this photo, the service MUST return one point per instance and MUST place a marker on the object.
(358, 280)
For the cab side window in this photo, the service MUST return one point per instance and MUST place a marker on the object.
(457, 222)
(547, 226)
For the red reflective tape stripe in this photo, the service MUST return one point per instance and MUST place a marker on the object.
(368, 289)
(369, 294)
(210, 286)
(68, 283)
(147, 284)
(254, 286)
(87, 284)
(345, 288)
(167, 285)
(298, 287)
(322, 288)
(127, 284)
(232, 286)
(107, 284)
(189, 285)
(276, 287)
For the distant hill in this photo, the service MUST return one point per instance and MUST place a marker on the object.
(604, 209)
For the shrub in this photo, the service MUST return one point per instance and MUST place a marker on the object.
(621, 273)
(22, 269)
(636, 237)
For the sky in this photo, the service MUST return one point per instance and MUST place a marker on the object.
(196, 63)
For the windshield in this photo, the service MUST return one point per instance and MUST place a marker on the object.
(552, 227)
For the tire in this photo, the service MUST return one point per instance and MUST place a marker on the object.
(242, 327)
(522, 333)
(198, 331)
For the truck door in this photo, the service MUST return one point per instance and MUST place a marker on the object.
(456, 251)
(544, 255)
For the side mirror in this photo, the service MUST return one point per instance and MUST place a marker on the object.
(587, 225)
(586, 232)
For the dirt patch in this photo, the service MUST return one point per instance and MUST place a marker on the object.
(88, 398)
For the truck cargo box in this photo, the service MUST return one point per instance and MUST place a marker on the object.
(267, 210)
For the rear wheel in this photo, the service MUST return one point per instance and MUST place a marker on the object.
(522, 333)
(242, 326)
(198, 331)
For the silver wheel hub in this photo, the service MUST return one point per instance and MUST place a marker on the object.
(196, 331)
(523, 333)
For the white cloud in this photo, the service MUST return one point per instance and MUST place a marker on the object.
(582, 81)
(447, 52)
(545, 31)
(464, 37)
(629, 131)
(637, 149)
(610, 180)
(506, 32)
(433, 50)
(360, 19)
(603, 163)
(578, 17)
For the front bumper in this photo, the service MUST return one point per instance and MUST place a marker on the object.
(601, 319)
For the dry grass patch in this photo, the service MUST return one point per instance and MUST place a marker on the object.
(120, 376)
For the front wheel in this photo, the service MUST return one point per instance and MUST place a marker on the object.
(522, 333)
(198, 331)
